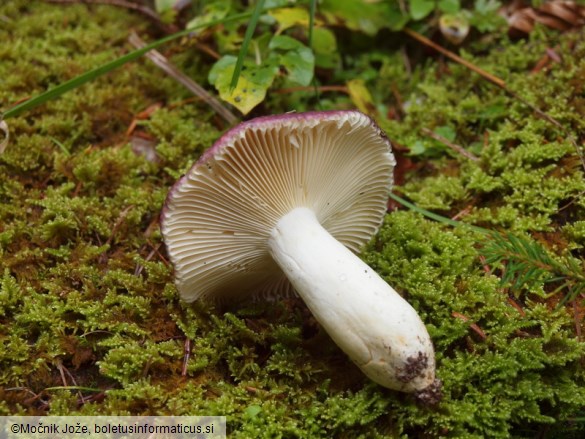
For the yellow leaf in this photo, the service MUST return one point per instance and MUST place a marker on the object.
(361, 97)
(245, 96)
(290, 17)
(253, 82)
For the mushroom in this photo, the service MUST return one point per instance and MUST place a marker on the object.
(285, 202)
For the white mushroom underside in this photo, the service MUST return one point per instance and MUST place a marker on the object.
(218, 220)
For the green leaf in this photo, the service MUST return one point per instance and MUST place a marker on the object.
(447, 132)
(417, 148)
(493, 111)
(290, 17)
(485, 17)
(297, 59)
(366, 16)
(252, 411)
(252, 85)
(449, 6)
(211, 11)
(164, 5)
(325, 48)
(397, 19)
(282, 42)
(419, 9)
(487, 6)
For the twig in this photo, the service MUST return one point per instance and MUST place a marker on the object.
(491, 78)
(158, 253)
(123, 214)
(573, 201)
(402, 6)
(62, 371)
(398, 98)
(142, 9)
(140, 267)
(498, 82)
(462, 213)
(448, 143)
(474, 326)
(406, 61)
(549, 55)
(186, 356)
(208, 50)
(6, 134)
(516, 306)
(35, 397)
(163, 63)
(422, 39)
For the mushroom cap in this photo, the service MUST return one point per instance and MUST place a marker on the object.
(217, 218)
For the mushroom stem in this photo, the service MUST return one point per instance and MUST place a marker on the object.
(368, 320)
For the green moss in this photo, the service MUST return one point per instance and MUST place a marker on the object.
(86, 292)
(527, 170)
(516, 371)
(575, 233)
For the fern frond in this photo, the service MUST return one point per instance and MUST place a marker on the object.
(521, 261)
(525, 262)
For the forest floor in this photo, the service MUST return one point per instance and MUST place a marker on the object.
(91, 322)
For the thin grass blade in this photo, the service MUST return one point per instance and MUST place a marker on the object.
(312, 9)
(438, 218)
(246, 43)
(108, 67)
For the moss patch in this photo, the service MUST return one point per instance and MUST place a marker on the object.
(90, 321)
(508, 359)
(527, 170)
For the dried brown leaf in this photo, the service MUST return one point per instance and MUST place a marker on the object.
(556, 14)
(563, 11)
